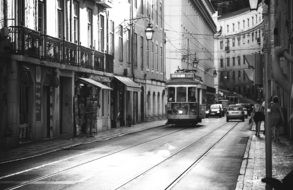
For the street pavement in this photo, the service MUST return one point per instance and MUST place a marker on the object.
(250, 174)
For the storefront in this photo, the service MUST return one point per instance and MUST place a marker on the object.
(125, 101)
(91, 106)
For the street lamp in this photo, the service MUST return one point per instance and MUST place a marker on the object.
(253, 5)
(149, 32)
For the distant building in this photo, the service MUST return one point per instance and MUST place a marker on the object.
(239, 51)
(190, 32)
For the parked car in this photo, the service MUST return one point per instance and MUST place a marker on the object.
(235, 112)
(216, 110)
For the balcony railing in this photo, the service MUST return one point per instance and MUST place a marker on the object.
(34, 44)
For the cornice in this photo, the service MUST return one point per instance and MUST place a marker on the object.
(207, 17)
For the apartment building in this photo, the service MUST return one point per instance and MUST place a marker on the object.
(56, 69)
(239, 49)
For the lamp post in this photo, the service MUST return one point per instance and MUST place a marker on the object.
(268, 48)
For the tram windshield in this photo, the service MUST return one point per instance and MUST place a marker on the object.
(181, 94)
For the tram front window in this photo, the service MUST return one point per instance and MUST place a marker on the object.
(171, 94)
(191, 94)
(181, 94)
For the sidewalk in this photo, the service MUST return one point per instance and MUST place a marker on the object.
(253, 164)
(44, 147)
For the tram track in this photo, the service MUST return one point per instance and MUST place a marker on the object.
(182, 149)
(77, 165)
(24, 183)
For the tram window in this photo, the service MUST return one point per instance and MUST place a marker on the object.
(181, 94)
(171, 94)
(191, 94)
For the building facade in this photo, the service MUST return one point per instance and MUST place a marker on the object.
(139, 64)
(190, 32)
(78, 67)
(240, 49)
(56, 75)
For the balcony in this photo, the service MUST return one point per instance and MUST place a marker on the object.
(105, 3)
(31, 43)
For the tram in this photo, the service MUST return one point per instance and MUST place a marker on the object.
(185, 98)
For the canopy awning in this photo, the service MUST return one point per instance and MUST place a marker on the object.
(129, 83)
(95, 83)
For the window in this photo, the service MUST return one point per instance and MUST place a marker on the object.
(221, 63)
(243, 24)
(60, 18)
(135, 3)
(102, 33)
(191, 94)
(238, 25)
(148, 54)
(243, 59)
(181, 94)
(142, 52)
(141, 6)
(120, 43)
(252, 20)
(227, 28)
(221, 44)
(162, 59)
(239, 74)
(228, 62)
(90, 27)
(152, 62)
(248, 22)
(41, 16)
(239, 40)
(161, 14)
(239, 62)
(171, 94)
(252, 36)
(128, 45)
(134, 51)
(233, 60)
(233, 42)
(233, 27)
(111, 38)
(255, 18)
(243, 38)
(75, 22)
(158, 56)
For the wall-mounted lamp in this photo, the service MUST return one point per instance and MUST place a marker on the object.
(149, 32)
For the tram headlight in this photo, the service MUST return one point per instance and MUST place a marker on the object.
(180, 111)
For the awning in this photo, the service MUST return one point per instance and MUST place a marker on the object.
(95, 83)
(129, 83)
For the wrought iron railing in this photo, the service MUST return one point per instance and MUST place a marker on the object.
(32, 43)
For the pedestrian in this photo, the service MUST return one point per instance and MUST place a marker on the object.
(251, 120)
(276, 118)
(258, 117)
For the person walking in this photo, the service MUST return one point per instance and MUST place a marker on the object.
(276, 118)
(258, 117)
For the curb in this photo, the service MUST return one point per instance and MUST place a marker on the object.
(102, 138)
(242, 172)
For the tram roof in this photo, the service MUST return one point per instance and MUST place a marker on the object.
(184, 81)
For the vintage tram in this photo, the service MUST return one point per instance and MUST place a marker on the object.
(185, 98)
